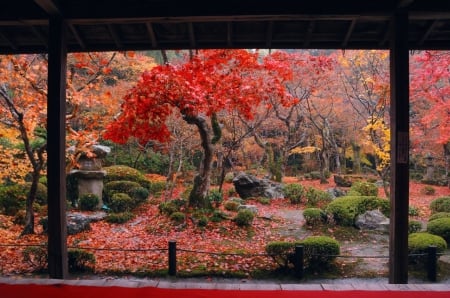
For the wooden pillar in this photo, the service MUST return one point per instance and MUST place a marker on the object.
(56, 139)
(399, 196)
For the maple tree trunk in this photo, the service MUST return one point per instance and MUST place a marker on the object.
(356, 169)
(198, 197)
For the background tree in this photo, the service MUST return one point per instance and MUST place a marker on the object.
(430, 109)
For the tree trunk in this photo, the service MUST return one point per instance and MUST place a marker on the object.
(29, 217)
(356, 169)
(198, 197)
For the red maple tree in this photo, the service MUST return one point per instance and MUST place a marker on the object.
(206, 86)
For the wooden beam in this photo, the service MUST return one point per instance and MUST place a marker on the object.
(49, 6)
(115, 36)
(399, 118)
(428, 32)
(8, 41)
(349, 33)
(56, 149)
(191, 35)
(269, 34)
(151, 34)
(309, 32)
(229, 34)
(77, 36)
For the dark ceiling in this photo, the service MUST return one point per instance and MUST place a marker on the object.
(181, 24)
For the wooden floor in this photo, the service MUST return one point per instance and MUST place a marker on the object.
(231, 285)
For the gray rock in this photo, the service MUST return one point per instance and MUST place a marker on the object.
(248, 186)
(77, 222)
(372, 220)
(336, 192)
(251, 208)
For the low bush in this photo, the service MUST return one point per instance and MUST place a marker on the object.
(36, 257)
(441, 204)
(80, 260)
(244, 218)
(178, 217)
(418, 244)
(119, 218)
(20, 218)
(294, 192)
(440, 227)
(438, 215)
(365, 188)
(344, 210)
(316, 197)
(314, 216)
(88, 202)
(281, 252)
(320, 251)
(215, 197)
(125, 173)
(414, 226)
(119, 186)
(218, 216)
(139, 194)
(157, 187)
(231, 205)
(121, 202)
(428, 190)
(13, 197)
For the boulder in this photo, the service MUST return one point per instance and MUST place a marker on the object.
(341, 181)
(336, 192)
(77, 222)
(248, 186)
(372, 220)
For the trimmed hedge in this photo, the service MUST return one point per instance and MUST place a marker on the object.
(320, 251)
(441, 204)
(440, 227)
(88, 202)
(13, 197)
(314, 216)
(418, 244)
(121, 202)
(364, 188)
(344, 210)
(439, 215)
(120, 173)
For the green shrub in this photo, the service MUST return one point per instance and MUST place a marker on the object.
(139, 194)
(441, 204)
(320, 251)
(439, 215)
(178, 217)
(365, 188)
(121, 202)
(428, 190)
(88, 202)
(344, 210)
(119, 218)
(231, 205)
(13, 197)
(36, 257)
(202, 221)
(157, 187)
(413, 211)
(314, 216)
(218, 216)
(264, 201)
(229, 177)
(244, 218)
(440, 227)
(294, 192)
(215, 196)
(80, 260)
(281, 252)
(414, 226)
(20, 217)
(418, 244)
(125, 173)
(119, 186)
(316, 197)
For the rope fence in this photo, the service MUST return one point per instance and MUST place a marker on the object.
(299, 256)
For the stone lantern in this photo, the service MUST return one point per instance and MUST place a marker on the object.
(429, 175)
(90, 174)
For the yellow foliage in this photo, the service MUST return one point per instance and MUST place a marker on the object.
(379, 139)
(303, 150)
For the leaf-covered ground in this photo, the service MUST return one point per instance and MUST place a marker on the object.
(140, 245)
